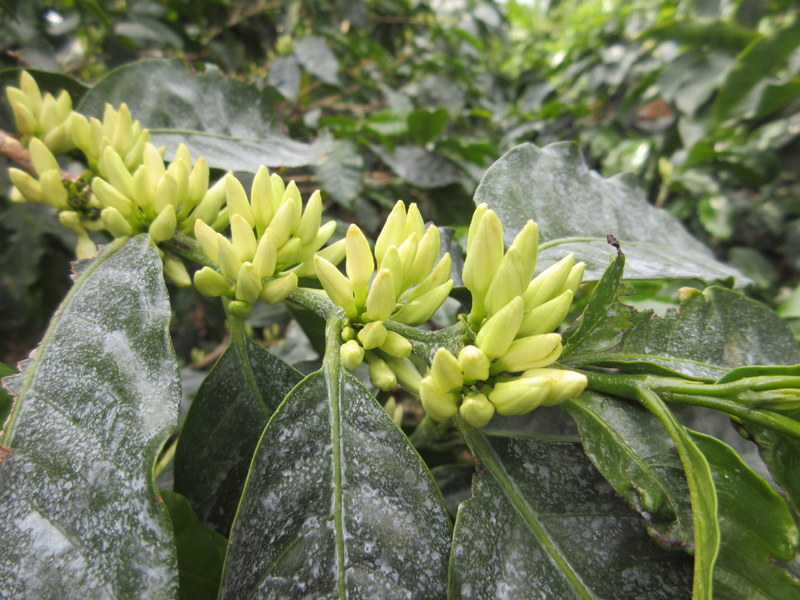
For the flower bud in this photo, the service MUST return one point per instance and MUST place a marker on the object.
(211, 283)
(24, 119)
(163, 226)
(380, 374)
(549, 283)
(176, 271)
(393, 231)
(115, 172)
(337, 286)
(53, 190)
(248, 284)
(242, 238)
(439, 274)
(41, 157)
(278, 289)
(438, 404)
(348, 333)
(406, 373)
(209, 240)
(372, 335)
(391, 261)
(85, 248)
(59, 139)
(198, 182)
(420, 310)
(546, 317)
(309, 224)
(414, 222)
(476, 410)
(266, 255)
(407, 251)
(208, 208)
(351, 354)
(484, 253)
(360, 264)
(565, 384)
(474, 364)
(446, 371)
(530, 352)
(425, 259)
(288, 215)
(108, 195)
(381, 299)
(519, 395)
(30, 188)
(575, 276)
(396, 345)
(229, 263)
(236, 198)
(508, 283)
(497, 333)
(239, 308)
(262, 203)
(115, 223)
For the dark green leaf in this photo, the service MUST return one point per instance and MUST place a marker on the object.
(627, 445)
(703, 32)
(341, 172)
(763, 56)
(337, 503)
(79, 515)
(709, 334)
(425, 125)
(201, 550)
(225, 120)
(313, 53)
(224, 424)
(576, 209)
(542, 523)
(419, 167)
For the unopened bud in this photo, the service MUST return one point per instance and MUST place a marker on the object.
(359, 264)
(393, 231)
(288, 216)
(53, 190)
(546, 317)
(476, 410)
(248, 284)
(380, 374)
(85, 248)
(208, 239)
(406, 373)
(420, 310)
(372, 335)
(262, 203)
(236, 198)
(425, 259)
(108, 195)
(474, 364)
(530, 352)
(484, 253)
(508, 283)
(396, 345)
(176, 271)
(211, 283)
(310, 221)
(163, 226)
(351, 354)
(446, 371)
(239, 308)
(381, 299)
(497, 333)
(276, 290)
(519, 395)
(115, 223)
(574, 278)
(566, 384)
(337, 286)
(549, 283)
(266, 255)
(438, 405)
(243, 238)
(41, 157)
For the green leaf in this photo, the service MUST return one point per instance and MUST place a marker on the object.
(576, 209)
(284, 75)
(542, 523)
(604, 319)
(6, 399)
(696, 32)
(341, 172)
(337, 503)
(79, 514)
(627, 445)
(419, 167)
(201, 550)
(313, 54)
(224, 424)
(227, 121)
(757, 530)
(761, 57)
(425, 125)
(709, 334)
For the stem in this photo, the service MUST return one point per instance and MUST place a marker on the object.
(238, 339)
(166, 458)
(189, 248)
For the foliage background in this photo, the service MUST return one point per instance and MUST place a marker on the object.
(699, 101)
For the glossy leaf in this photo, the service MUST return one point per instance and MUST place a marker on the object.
(543, 523)
(425, 125)
(337, 503)
(317, 58)
(224, 424)
(225, 120)
(79, 514)
(576, 209)
(709, 334)
(341, 172)
(758, 533)
(201, 550)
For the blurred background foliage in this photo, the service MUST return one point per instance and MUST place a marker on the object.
(699, 101)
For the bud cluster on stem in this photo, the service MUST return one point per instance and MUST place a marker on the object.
(513, 316)
(400, 281)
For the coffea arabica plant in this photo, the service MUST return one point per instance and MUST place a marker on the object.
(321, 494)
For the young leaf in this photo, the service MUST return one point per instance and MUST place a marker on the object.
(542, 523)
(627, 445)
(337, 503)
(710, 333)
(201, 550)
(224, 424)
(576, 209)
(79, 514)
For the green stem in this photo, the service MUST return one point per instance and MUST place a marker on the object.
(484, 452)
(166, 458)
(332, 367)
(188, 248)
(316, 303)
(238, 332)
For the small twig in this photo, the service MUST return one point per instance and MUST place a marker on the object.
(12, 148)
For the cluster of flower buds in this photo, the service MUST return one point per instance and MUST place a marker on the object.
(273, 242)
(505, 370)
(407, 287)
(117, 130)
(41, 116)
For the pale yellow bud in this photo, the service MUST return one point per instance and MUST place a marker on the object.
(566, 384)
(508, 283)
(208, 239)
(53, 190)
(31, 89)
(519, 395)
(248, 284)
(115, 223)
(163, 227)
(474, 364)
(396, 345)
(176, 271)
(266, 255)
(337, 286)
(407, 251)
(277, 290)
(290, 253)
(425, 258)
(351, 354)
(446, 371)
(262, 202)
(476, 410)
(115, 172)
(287, 218)
(546, 317)
(484, 253)
(530, 352)
(380, 374)
(381, 298)
(474, 223)
(549, 283)
(414, 222)
(439, 275)
(209, 207)
(308, 228)
(166, 194)
(24, 119)
(236, 198)
(391, 261)
(575, 276)
(406, 373)
(108, 195)
(359, 264)
(70, 219)
(243, 238)
(497, 333)
(393, 231)
(229, 263)
(85, 247)
(422, 308)
(41, 157)
(438, 405)
(372, 335)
